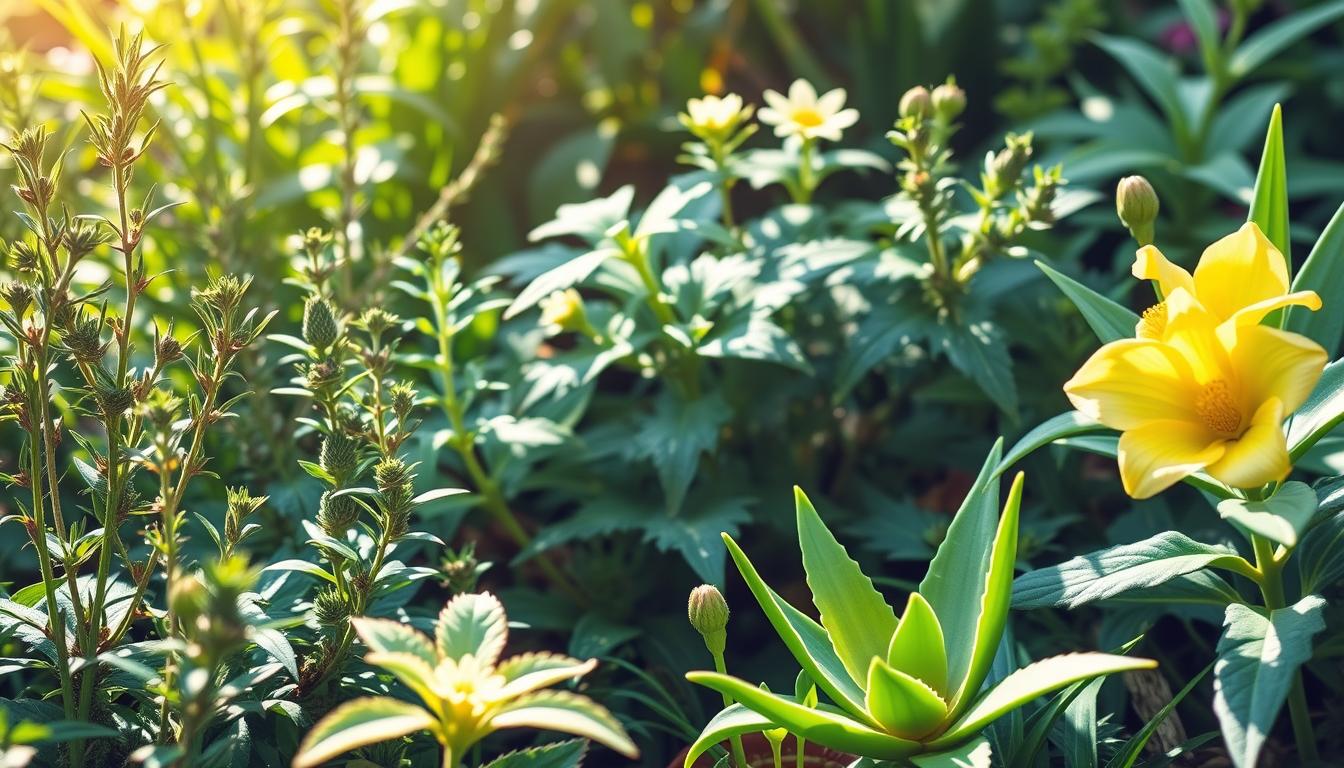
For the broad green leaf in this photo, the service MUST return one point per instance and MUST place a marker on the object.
(567, 713)
(1269, 202)
(675, 436)
(386, 636)
(1197, 588)
(566, 275)
(660, 215)
(917, 648)
(1078, 727)
(1257, 658)
(561, 754)
(528, 672)
(1050, 430)
(1032, 681)
(591, 219)
(1262, 46)
(1129, 752)
(905, 707)
(804, 638)
(855, 615)
(956, 580)
(735, 720)
(1322, 411)
(994, 604)
(472, 624)
(357, 724)
(973, 754)
(413, 673)
(1322, 272)
(1282, 518)
(1109, 320)
(1119, 569)
(816, 725)
(1155, 73)
(980, 351)
(1320, 557)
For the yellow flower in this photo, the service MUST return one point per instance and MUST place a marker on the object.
(714, 117)
(806, 115)
(1242, 278)
(1211, 395)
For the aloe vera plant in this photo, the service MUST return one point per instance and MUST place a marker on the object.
(905, 688)
(468, 693)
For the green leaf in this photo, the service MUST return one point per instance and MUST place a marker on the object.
(816, 725)
(1320, 557)
(561, 754)
(752, 336)
(995, 602)
(567, 713)
(973, 754)
(566, 275)
(1107, 319)
(980, 352)
(1050, 430)
(1032, 681)
(735, 720)
(1116, 570)
(359, 723)
(1129, 752)
(528, 672)
(956, 580)
(1322, 411)
(1322, 272)
(805, 639)
(411, 670)
(1155, 73)
(1078, 727)
(857, 618)
(1269, 202)
(472, 624)
(1282, 518)
(1262, 46)
(386, 636)
(917, 648)
(675, 435)
(905, 707)
(1257, 658)
(1203, 19)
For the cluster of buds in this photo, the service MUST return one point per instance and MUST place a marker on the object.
(127, 87)
(321, 326)
(461, 570)
(241, 505)
(395, 483)
(331, 608)
(218, 305)
(927, 120)
(35, 187)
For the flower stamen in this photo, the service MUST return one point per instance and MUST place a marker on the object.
(1217, 409)
(1153, 323)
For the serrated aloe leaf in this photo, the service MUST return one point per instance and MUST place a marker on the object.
(1032, 681)
(958, 573)
(917, 647)
(385, 636)
(1257, 656)
(472, 624)
(829, 729)
(853, 612)
(359, 723)
(995, 602)
(567, 713)
(903, 705)
(735, 720)
(973, 754)
(804, 638)
(1282, 518)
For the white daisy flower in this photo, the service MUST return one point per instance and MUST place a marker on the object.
(714, 115)
(805, 115)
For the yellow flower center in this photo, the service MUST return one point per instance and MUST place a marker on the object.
(1217, 409)
(1153, 324)
(808, 117)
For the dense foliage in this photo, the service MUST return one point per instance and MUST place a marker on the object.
(334, 329)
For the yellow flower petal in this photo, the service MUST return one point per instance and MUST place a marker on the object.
(1131, 382)
(1275, 364)
(1256, 312)
(1260, 455)
(1240, 270)
(1150, 264)
(1194, 332)
(1160, 454)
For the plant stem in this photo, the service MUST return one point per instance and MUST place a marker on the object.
(1271, 587)
(739, 754)
(807, 182)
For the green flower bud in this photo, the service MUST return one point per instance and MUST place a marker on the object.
(84, 341)
(18, 295)
(336, 514)
(339, 456)
(320, 326)
(949, 101)
(331, 609)
(708, 613)
(113, 401)
(1137, 205)
(916, 102)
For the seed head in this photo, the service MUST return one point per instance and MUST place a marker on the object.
(321, 328)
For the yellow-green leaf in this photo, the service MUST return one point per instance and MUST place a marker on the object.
(359, 723)
(903, 705)
(1269, 203)
(917, 647)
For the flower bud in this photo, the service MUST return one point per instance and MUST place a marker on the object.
(708, 613)
(331, 609)
(113, 401)
(948, 100)
(18, 295)
(84, 341)
(916, 102)
(336, 514)
(564, 309)
(188, 599)
(1137, 205)
(320, 326)
(339, 455)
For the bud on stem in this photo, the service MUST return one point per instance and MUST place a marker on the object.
(1137, 205)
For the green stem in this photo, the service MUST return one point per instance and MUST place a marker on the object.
(807, 181)
(739, 754)
(1271, 587)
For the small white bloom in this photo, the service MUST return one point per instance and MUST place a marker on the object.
(805, 115)
(714, 115)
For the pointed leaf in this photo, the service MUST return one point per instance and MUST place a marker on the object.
(1262, 46)
(1282, 518)
(1322, 411)
(532, 671)
(561, 754)
(566, 275)
(472, 624)
(1322, 272)
(411, 670)
(1109, 320)
(1269, 203)
(735, 720)
(359, 723)
(1257, 657)
(917, 648)
(855, 615)
(973, 754)
(905, 707)
(386, 636)
(1036, 680)
(1050, 430)
(1129, 752)
(567, 713)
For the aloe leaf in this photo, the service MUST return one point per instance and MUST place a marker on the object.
(855, 615)
(1032, 681)
(385, 636)
(973, 754)
(1109, 320)
(1257, 656)
(567, 713)
(1282, 518)
(560, 754)
(996, 600)
(804, 638)
(734, 720)
(917, 648)
(1269, 202)
(905, 706)
(359, 723)
(829, 729)
(472, 624)
(955, 582)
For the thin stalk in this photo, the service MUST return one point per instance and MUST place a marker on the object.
(739, 754)
(807, 182)
(1271, 587)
